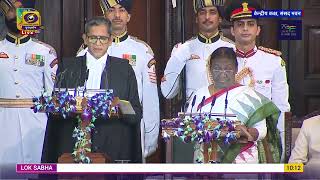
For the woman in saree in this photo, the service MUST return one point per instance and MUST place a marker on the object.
(228, 100)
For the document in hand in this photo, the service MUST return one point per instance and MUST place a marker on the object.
(126, 108)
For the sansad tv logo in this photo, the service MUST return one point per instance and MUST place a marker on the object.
(28, 21)
(290, 30)
(288, 27)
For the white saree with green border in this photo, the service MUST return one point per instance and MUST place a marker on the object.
(253, 110)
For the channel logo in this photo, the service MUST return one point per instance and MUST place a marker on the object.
(28, 21)
(31, 18)
(290, 30)
(288, 27)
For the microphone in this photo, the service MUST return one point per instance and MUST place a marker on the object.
(85, 82)
(87, 75)
(193, 102)
(226, 106)
(202, 103)
(105, 79)
(78, 80)
(186, 105)
(108, 65)
(67, 83)
(78, 74)
(60, 77)
(212, 104)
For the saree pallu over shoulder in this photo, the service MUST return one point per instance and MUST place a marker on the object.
(251, 107)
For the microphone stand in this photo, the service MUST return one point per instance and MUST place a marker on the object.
(212, 104)
(202, 103)
(226, 106)
(193, 102)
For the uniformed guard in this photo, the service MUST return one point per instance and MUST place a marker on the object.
(141, 57)
(259, 67)
(195, 52)
(27, 69)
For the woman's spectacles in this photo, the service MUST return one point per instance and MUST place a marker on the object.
(223, 70)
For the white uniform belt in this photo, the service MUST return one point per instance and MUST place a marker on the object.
(16, 103)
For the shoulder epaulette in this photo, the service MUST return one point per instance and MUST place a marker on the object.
(147, 45)
(270, 51)
(51, 49)
(223, 38)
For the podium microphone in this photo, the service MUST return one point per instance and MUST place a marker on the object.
(67, 82)
(186, 105)
(87, 74)
(60, 78)
(85, 82)
(226, 106)
(212, 104)
(76, 84)
(202, 103)
(193, 102)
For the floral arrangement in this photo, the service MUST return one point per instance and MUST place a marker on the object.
(61, 102)
(201, 128)
(86, 112)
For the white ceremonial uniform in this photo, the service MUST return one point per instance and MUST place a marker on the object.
(269, 74)
(141, 58)
(27, 69)
(193, 54)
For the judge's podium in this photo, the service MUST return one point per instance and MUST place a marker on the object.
(124, 108)
(94, 157)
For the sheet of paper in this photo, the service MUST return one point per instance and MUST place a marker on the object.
(126, 108)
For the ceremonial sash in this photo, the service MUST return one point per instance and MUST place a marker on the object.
(16, 103)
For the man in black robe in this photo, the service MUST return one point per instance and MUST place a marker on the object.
(119, 138)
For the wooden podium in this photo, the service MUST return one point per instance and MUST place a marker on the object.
(124, 108)
(210, 149)
(94, 157)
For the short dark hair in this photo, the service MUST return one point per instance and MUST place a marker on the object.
(224, 52)
(96, 21)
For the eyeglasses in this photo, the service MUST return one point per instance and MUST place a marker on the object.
(223, 71)
(102, 39)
